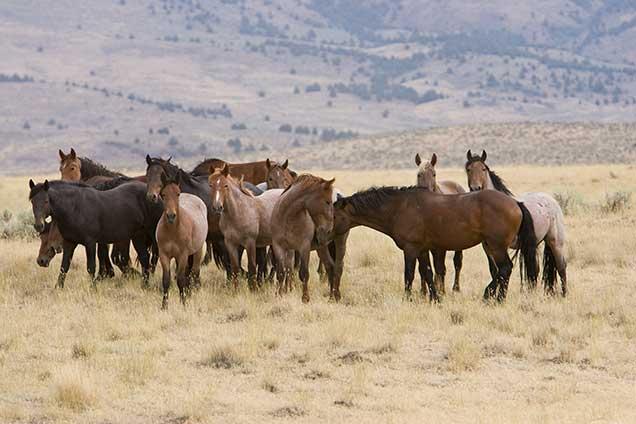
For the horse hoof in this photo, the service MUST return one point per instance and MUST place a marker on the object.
(305, 298)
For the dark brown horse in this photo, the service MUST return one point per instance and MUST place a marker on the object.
(419, 221)
(252, 172)
(51, 243)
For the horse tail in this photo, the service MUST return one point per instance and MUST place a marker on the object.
(527, 244)
(549, 269)
(219, 253)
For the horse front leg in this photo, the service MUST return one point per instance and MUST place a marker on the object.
(426, 276)
(91, 251)
(183, 280)
(67, 257)
(338, 251)
(235, 265)
(141, 247)
(458, 261)
(439, 261)
(409, 273)
(165, 280)
(303, 272)
(328, 263)
(105, 266)
(251, 264)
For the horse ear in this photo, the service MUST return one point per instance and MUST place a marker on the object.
(31, 184)
(483, 156)
(418, 160)
(268, 163)
(148, 160)
(46, 185)
(226, 170)
(433, 159)
(62, 155)
(169, 159)
(286, 163)
(73, 155)
(328, 184)
(469, 155)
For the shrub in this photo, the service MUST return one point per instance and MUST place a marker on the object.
(570, 202)
(17, 226)
(616, 202)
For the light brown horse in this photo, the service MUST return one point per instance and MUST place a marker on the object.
(547, 215)
(302, 220)
(427, 178)
(252, 172)
(419, 221)
(51, 243)
(181, 234)
(278, 175)
(244, 219)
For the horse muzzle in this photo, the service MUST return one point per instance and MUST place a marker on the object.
(322, 236)
(152, 197)
(217, 209)
(474, 189)
(39, 227)
(43, 262)
(171, 218)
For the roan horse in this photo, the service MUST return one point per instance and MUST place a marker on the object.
(419, 221)
(302, 220)
(244, 221)
(181, 234)
(427, 178)
(546, 213)
(87, 216)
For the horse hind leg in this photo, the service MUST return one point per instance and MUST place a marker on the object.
(426, 276)
(458, 260)
(554, 262)
(409, 273)
(439, 261)
(195, 268)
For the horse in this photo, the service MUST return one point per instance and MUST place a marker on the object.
(51, 242)
(252, 172)
(244, 220)
(87, 216)
(427, 178)
(546, 213)
(302, 220)
(278, 175)
(420, 221)
(74, 168)
(181, 234)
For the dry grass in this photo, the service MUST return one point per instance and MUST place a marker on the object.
(111, 355)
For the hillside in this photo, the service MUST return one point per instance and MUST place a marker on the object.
(240, 79)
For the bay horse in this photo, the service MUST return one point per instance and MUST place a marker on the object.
(252, 172)
(427, 178)
(420, 221)
(181, 234)
(278, 175)
(87, 216)
(244, 220)
(546, 213)
(51, 242)
(302, 220)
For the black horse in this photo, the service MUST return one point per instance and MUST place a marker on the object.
(87, 216)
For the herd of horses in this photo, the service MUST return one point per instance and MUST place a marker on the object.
(220, 211)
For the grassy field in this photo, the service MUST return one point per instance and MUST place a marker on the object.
(112, 356)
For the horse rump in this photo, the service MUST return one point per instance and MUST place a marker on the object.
(527, 244)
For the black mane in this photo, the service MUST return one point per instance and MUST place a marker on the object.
(497, 181)
(203, 168)
(55, 183)
(92, 169)
(172, 170)
(375, 197)
(115, 182)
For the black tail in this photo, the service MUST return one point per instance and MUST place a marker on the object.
(527, 243)
(219, 254)
(549, 269)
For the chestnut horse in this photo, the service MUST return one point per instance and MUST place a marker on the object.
(278, 175)
(181, 234)
(302, 220)
(427, 178)
(252, 172)
(546, 214)
(244, 219)
(51, 242)
(419, 221)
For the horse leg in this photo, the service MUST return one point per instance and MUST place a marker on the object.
(91, 250)
(105, 266)
(235, 265)
(458, 260)
(183, 279)
(139, 243)
(195, 272)
(558, 260)
(208, 253)
(67, 257)
(272, 260)
(504, 264)
(303, 273)
(279, 256)
(251, 264)
(426, 276)
(261, 264)
(326, 259)
(338, 254)
(409, 273)
(439, 261)
(491, 288)
(155, 256)
(165, 280)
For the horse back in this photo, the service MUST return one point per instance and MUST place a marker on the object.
(450, 187)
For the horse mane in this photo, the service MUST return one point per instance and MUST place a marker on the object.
(305, 181)
(497, 181)
(56, 183)
(172, 170)
(375, 197)
(115, 182)
(203, 168)
(90, 169)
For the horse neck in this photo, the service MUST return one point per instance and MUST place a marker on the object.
(237, 201)
(377, 219)
(489, 184)
(59, 201)
(292, 203)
